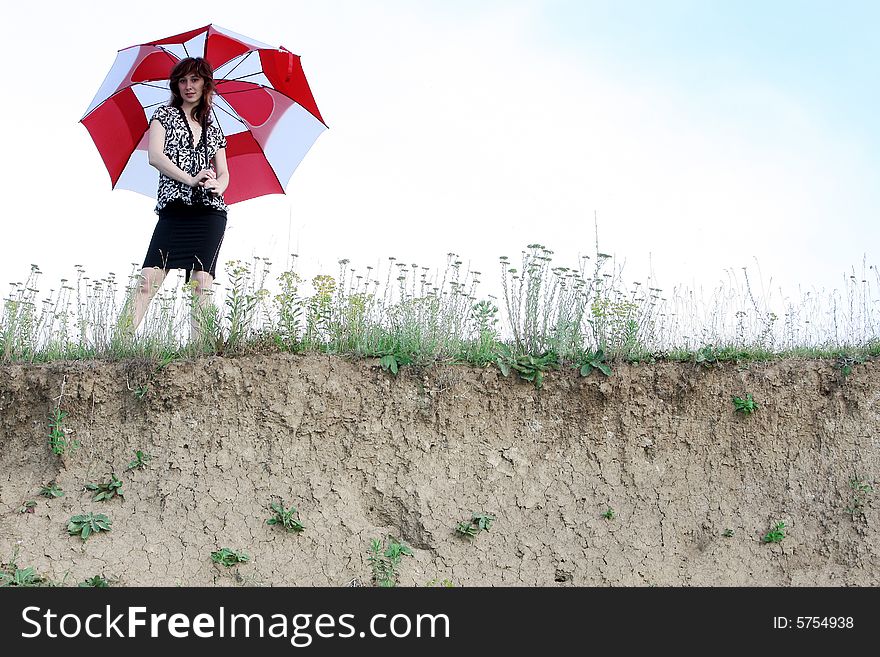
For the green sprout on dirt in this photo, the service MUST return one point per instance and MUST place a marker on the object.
(12, 575)
(139, 462)
(746, 405)
(87, 524)
(289, 519)
(445, 583)
(706, 356)
(609, 514)
(466, 529)
(776, 534)
(861, 489)
(51, 490)
(529, 367)
(728, 533)
(58, 439)
(845, 363)
(478, 522)
(97, 582)
(28, 507)
(107, 490)
(594, 361)
(385, 561)
(391, 360)
(229, 557)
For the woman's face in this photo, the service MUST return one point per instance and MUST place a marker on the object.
(191, 88)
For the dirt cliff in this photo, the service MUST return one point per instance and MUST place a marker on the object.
(647, 477)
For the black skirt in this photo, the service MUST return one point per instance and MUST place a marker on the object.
(187, 237)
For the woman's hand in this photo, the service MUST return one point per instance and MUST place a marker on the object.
(211, 186)
(202, 177)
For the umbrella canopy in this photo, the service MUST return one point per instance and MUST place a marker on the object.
(262, 104)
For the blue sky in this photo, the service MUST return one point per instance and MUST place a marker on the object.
(706, 136)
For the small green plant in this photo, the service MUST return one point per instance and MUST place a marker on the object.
(466, 529)
(12, 575)
(139, 462)
(478, 522)
(141, 391)
(594, 361)
(445, 583)
(87, 524)
(289, 519)
(728, 533)
(97, 582)
(28, 507)
(529, 368)
(776, 534)
(58, 439)
(609, 514)
(746, 405)
(384, 562)
(391, 360)
(107, 490)
(845, 363)
(228, 557)
(860, 490)
(51, 490)
(706, 356)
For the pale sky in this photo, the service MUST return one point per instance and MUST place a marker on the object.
(704, 135)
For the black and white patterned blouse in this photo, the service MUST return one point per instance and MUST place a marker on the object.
(190, 157)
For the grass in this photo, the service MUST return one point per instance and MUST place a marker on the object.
(544, 316)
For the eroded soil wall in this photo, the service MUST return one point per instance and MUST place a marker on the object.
(363, 455)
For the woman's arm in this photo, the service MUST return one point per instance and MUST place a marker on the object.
(158, 159)
(219, 185)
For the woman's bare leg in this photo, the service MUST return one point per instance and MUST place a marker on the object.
(151, 279)
(201, 282)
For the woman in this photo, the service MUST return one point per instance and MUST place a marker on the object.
(192, 213)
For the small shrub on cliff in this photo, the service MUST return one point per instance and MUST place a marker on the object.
(97, 582)
(87, 524)
(139, 462)
(746, 405)
(594, 360)
(385, 563)
(12, 575)
(58, 439)
(107, 490)
(289, 519)
(229, 557)
(28, 507)
(776, 534)
(530, 368)
(51, 490)
(845, 363)
(392, 360)
(860, 489)
(479, 522)
(445, 583)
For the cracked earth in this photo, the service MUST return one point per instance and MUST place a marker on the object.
(364, 455)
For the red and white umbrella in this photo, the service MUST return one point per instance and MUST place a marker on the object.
(262, 104)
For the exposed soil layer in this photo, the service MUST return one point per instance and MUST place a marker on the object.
(694, 486)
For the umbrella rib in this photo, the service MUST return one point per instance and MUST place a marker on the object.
(237, 65)
(237, 118)
(248, 75)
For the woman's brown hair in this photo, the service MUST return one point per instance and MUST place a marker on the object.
(197, 66)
